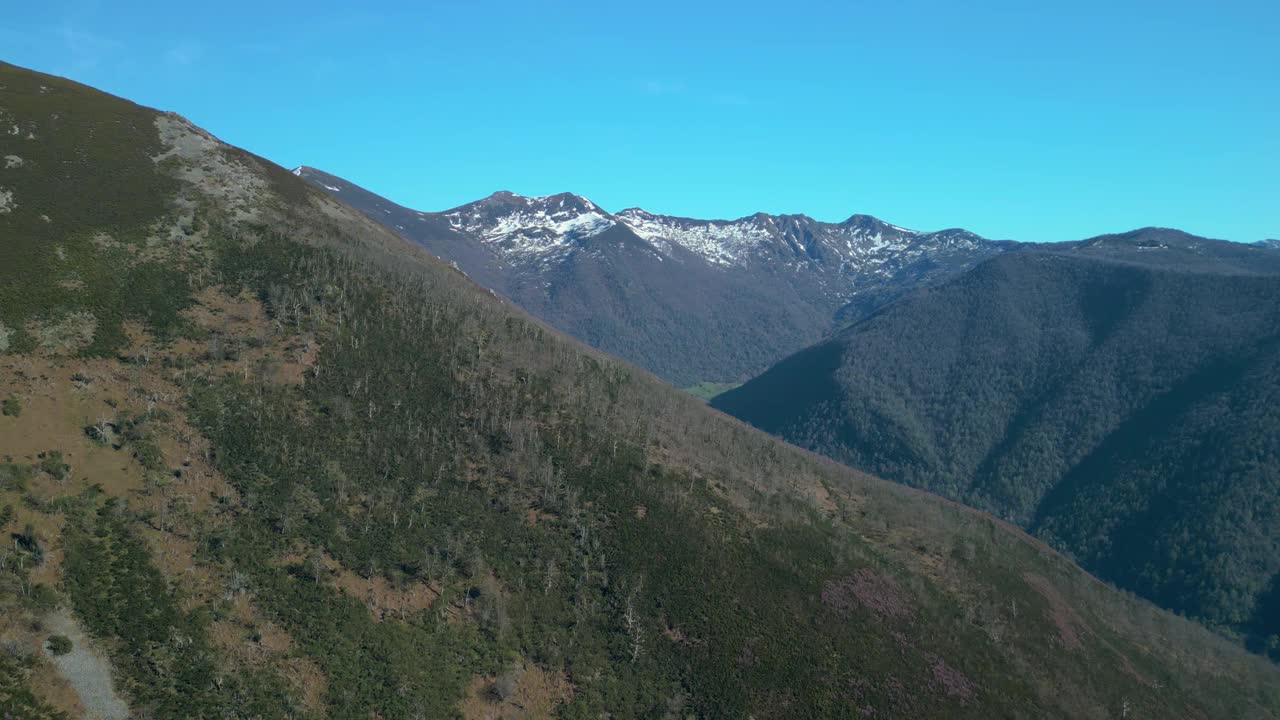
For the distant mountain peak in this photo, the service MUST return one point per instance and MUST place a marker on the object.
(786, 237)
(1144, 236)
(521, 224)
(860, 220)
(1172, 249)
(562, 199)
(868, 224)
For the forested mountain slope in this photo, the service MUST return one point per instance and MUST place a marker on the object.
(690, 300)
(1118, 397)
(263, 458)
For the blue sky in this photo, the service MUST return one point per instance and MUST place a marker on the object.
(1023, 120)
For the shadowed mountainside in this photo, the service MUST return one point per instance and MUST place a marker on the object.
(1117, 397)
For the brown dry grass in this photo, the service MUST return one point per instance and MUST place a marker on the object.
(306, 681)
(61, 396)
(533, 516)
(50, 686)
(241, 322)
(384, 599)
(247, 638)
(55, 410)
(23, 631)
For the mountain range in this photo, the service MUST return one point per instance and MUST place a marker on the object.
(690, 300)
(261, 457)
(1118, 397)
(783, 280)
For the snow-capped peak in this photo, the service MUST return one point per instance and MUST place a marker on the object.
(519, 224)
(793, 237)
(557, 200)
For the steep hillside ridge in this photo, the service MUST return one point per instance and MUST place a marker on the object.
(302, 469)
(1116, 397)
(690, 300)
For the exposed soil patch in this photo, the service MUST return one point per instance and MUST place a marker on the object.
(951, 681)
(1071, 628)
(822, 498)
(241, 339)
(869, 589)
(533, 516)
(48, 684)
(248, 634)
(384, 599)
(249, 639)
(55, 410)
(306, 681)
(525, 691)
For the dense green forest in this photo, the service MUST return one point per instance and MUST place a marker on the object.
(1118, 398)
(313, 472)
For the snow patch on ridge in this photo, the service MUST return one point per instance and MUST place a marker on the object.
(718, 241)
(791, 239)
(519, 225)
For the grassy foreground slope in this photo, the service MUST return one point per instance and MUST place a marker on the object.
(275, 462)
